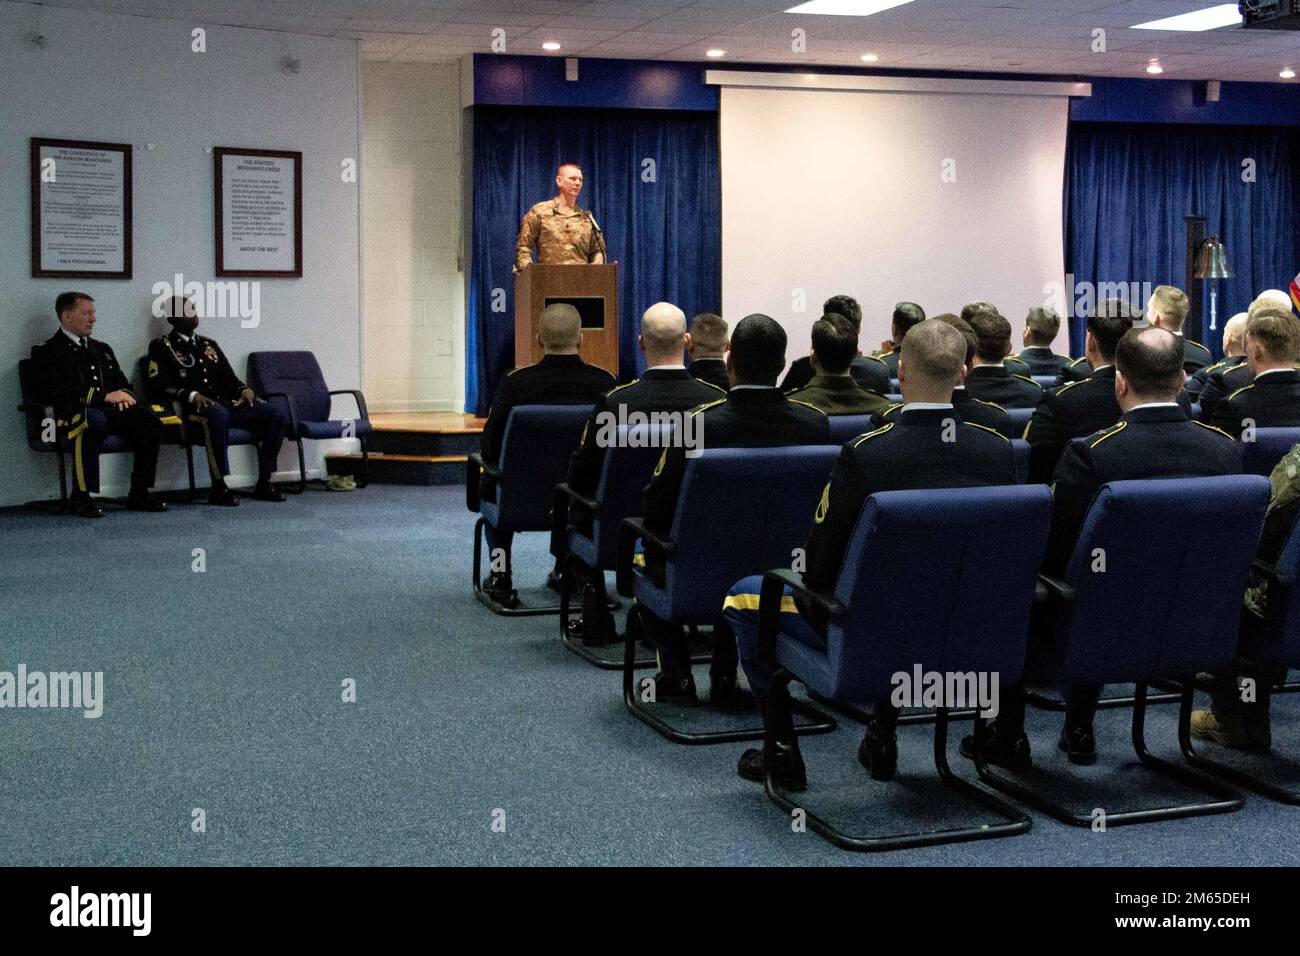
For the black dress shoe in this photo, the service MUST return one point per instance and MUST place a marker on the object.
(674, 690)
(83, 506)
(726, 695)
(878, 752)
(223, 496)
(790, 774)
(602, 635)
(1012, 754)
(501, 589)
(1079, 745)
(144, 501)
(265, 491)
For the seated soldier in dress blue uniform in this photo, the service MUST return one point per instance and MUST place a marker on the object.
(188, 368)
(926, 445)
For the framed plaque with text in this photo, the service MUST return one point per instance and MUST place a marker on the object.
(81, 209)
(258, 195)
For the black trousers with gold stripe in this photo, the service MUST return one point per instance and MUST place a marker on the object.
(265, 421)
(137, 424)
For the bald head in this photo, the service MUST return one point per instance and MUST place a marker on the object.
(1148, 367)
(559, 328)
(1270, 299)
(1234, 334)
(663, 334)
(931, 362)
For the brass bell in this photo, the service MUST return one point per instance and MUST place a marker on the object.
(1212, 260)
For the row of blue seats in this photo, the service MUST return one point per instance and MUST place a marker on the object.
(1110, 628)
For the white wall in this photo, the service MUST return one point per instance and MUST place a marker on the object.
(135, 80)
(411, 208)
(830, 191)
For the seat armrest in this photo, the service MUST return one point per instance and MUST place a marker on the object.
(576, 498)
(358, 397)
(1055, 587)
(1266, 570)
(293, 414)
(475, 467)
(769, 607)
(629, 532)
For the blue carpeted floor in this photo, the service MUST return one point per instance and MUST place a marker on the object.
(223, 692)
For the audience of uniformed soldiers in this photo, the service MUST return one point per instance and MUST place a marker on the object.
(1120, 411)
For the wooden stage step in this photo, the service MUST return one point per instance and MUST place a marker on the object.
(414, 448)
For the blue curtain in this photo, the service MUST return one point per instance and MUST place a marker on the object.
(661, 219)
(1128, 187)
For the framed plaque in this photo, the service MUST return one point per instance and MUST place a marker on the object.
(81, 209)
(258, 194)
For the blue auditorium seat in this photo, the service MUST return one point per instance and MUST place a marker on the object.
(1152, 616)
(535, 449)
(591, 536)
(1019, 419)
(963, 621)
(1278, 644)
(1260, 457)
(846, 427)
(296, 380)
(740, 512)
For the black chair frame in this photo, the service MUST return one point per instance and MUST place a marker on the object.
(779, 733)
(630, 531)
(362, 412)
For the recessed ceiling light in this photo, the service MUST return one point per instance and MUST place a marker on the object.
(1287, 74)
(550, 45)
(869, 58)
(715, 53)
(1154, 67)
(1209, 18)
(847, 8)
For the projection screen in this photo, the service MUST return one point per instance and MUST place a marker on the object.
(941, 198)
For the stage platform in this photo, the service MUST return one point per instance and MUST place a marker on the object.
(414, 448)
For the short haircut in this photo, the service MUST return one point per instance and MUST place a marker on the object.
(906, 315)
(967, 333)
(846, 306)
(1042, 324)
(1109, 321)
(975, 307)
(1234, 330)
(1171, 302)
(709, 333)
(935, 352)
(566, 164)
(1152, 360)
(1270, 298)
(1277, 331)
(758, 349)
(69, 300)
(992, 334)
(559, 327)
(663, 329)
(835, 343)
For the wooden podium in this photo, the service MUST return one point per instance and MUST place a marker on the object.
(591, 289)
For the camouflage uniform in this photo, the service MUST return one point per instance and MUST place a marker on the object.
(562, 237)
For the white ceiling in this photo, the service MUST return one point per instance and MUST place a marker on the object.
(1029, 36)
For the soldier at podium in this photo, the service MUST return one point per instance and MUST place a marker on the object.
(563, 232)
